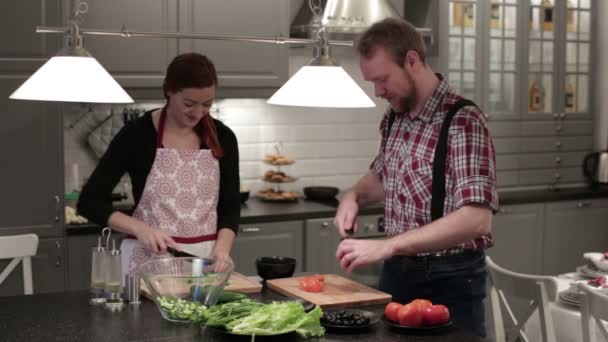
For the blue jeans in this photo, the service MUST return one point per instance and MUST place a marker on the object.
(456, 281)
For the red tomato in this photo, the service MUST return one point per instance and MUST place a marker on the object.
(391, 310)
(311, 284)
(422, 303)
(409, 315)
(435, 315)
(319, 277)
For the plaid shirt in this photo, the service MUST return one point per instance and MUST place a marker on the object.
(404, 164)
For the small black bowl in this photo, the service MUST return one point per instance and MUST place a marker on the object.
(275, 267)
(244, 196)
(320, 192)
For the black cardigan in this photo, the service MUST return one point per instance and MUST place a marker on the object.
(133, 151)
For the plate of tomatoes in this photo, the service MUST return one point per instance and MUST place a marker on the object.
(417, 315)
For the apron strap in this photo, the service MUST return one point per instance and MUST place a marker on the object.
(161, 127)
(439, 161)
(187, 240)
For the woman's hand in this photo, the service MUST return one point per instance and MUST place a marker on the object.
(153, 239)
(223, 262)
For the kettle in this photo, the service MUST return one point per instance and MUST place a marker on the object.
(595, 167)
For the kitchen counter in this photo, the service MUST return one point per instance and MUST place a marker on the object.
(256, 211)
(68, 317)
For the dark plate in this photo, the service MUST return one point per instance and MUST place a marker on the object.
(373, 319)
(415, 329)
(308, 306)
(224, 331)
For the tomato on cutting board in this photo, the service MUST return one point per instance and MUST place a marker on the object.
(312, 283)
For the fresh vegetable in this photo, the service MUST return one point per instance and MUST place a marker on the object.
(229, 296)
(177, 308)
(409, 315)
(278, 318)
(391, 311)
(220, 315)
(435, 315)
(313, 283)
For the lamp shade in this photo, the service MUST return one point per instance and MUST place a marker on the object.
(321, 86)
(72, 79)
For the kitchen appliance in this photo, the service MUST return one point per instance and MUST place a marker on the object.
(338, 292)
(320, 192)
(595, 167)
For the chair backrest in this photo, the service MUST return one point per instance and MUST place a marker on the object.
(20, 248)
(537, 290)
(594, 309)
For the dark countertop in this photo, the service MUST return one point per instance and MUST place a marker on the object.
(257, 211)
(68, 317)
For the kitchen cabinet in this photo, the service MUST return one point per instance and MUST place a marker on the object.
(31, 146)
(268, 239)
(517, 231)
(527, 64)
(79, 259)
(141, 62)
(571, 229)
(240, 64)
(322, 239)
(48, 270)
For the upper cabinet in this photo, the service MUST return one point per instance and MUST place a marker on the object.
(142, 61)
(239, 63)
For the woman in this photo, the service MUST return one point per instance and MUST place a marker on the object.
(183, 166)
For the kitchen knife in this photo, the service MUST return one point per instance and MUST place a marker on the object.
(183, 251)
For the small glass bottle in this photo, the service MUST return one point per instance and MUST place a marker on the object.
(113, 279)
(98, 267)
(547, 13)
(536, 94)
(569, 96)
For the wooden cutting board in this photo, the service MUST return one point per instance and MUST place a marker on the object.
(338, 292)
(236, 283)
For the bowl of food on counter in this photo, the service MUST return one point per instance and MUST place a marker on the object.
(183, 288)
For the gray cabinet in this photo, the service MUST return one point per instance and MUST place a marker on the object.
(571, 229)
(48, 270)
(239, 64)
(31, 176)
(135, 61)
(322, 239)
(268, 239)
(517, 232)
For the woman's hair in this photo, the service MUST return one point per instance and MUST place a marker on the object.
(193, 70)
(396, 35)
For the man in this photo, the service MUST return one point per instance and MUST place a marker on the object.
(439, 197)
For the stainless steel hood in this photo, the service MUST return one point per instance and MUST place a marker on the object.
(343, 19)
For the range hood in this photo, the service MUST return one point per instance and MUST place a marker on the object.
(343, 19)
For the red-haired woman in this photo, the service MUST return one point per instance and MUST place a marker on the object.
(183, 166)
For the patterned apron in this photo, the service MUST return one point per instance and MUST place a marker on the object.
(180, 197)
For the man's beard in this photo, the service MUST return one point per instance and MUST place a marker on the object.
(407, 102)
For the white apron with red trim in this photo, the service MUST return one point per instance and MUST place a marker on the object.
(180, 197)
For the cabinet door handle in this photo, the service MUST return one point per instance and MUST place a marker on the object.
(58, 261)
(325, 224)
(57, 207)
(583, 204)
(250, 230)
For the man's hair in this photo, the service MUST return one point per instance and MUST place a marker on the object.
(396, 35)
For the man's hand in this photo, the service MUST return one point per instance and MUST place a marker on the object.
(153, 239)
(353, 253)
(346, 215)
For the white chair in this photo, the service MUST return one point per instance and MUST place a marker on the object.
(537, 290)
(19, 248)
(594, 304)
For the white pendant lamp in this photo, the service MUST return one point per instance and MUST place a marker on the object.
(73, 75)
(322, 82)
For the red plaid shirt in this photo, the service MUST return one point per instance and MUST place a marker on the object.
(404, 164)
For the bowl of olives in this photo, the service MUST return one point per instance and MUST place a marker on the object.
(348, 319)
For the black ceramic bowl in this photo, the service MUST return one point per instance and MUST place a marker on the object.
(244, 196)
(274, 267)
(320, 192)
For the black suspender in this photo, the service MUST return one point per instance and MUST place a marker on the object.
(439, 161)
(440, 157)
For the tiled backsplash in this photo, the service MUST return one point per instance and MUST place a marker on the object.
(331, 147)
